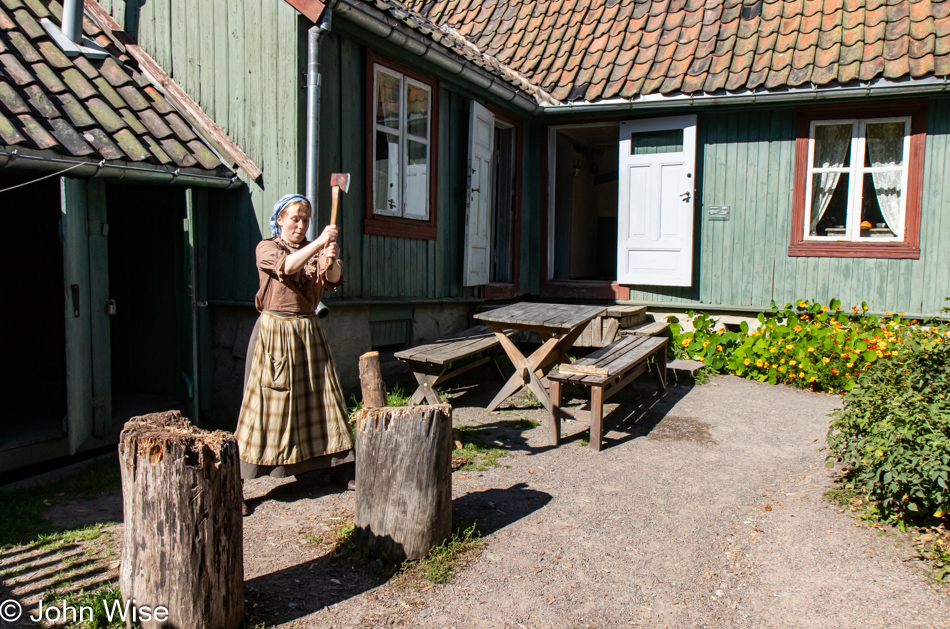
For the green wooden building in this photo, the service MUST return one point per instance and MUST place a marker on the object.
(712, 154)
(704, 154)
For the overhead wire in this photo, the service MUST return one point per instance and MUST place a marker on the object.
(59, 172)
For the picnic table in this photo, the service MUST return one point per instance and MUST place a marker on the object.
(558, 325)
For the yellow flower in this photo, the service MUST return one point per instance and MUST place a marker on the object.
(783, 361)
(880, 354)
(719, 348)
(888, 312)
(793, 362)
(850, 365)
(826, 360)
(894, 353)
(705, 343)
(782, 369)
(758, 363)
(772, 350)
(746, 362)
(685, 342)
(812, 379)
(824, 308)
(811, 349)
(801, 374)
(901, 314)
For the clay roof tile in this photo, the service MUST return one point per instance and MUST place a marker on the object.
(921, 66)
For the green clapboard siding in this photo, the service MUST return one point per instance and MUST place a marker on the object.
(242, 63)
(746, 161)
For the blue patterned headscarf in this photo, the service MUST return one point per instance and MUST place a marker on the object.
(280, 206)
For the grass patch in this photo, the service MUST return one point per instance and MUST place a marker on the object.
(21, 519)
(521, 423)
(446, 560)
(475, 453)
(98, 600)
(395, 396)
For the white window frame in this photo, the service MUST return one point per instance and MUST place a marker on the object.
(856, 170)
(404, 137)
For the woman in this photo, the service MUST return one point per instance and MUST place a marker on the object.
(293, 418)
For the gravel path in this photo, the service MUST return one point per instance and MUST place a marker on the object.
(705, 509)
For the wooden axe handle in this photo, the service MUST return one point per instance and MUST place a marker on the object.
(335, 192)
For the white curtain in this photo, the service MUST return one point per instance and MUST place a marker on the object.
(886, 148)
(831, 147)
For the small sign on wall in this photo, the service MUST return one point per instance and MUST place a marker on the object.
(718, 213)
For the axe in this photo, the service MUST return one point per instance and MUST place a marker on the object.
(338, 182)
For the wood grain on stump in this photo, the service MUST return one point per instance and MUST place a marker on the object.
(181, 495)
(403, 479)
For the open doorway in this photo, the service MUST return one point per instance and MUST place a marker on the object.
(33, 334)
(504, 176)
(585, 203)
(150, 330)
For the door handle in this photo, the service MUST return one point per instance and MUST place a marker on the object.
(75, 294)
(687, 195)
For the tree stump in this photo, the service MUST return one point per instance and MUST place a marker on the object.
(183, 541)
(403, 480)
(371, 381)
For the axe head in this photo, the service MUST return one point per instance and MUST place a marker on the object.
(341, 181)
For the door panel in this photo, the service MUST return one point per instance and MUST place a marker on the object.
(656, 190)
(78, 332)
(478, 209)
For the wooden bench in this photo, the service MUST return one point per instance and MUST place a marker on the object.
(437, 362)
(606, 371)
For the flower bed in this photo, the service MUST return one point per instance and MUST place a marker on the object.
(808, 345)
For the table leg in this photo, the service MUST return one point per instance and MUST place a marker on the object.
(660, 365)
(554, 415)
(596, 417)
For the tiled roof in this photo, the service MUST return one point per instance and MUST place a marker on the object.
(592, 50)
(86, 108)
(449, 35)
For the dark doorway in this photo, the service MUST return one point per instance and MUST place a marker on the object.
(503, 203)
(150, 330)
(33, 333)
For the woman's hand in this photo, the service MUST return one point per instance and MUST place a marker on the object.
(329, 235)
(332, 250)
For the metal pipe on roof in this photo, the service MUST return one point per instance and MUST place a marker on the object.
(72, 20)
(114, 172)
(312, 168)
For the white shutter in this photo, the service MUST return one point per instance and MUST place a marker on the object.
(481, 136)
(656, 190)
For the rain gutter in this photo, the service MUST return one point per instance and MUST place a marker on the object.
(312, 169)
(880, 87)
(396, 33)
(26, 160)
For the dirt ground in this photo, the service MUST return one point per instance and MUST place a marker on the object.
(704, 509)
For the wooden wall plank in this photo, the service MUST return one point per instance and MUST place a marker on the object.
(352, 152)
(236, 70)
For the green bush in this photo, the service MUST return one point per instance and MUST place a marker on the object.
(808, 345)
(893, 433)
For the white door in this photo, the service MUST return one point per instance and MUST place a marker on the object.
(481, 136)
(656, 190)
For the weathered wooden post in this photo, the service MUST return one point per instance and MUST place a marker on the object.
(403, 473)
(183, 541)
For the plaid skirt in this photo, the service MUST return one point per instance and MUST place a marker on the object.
(293, 408)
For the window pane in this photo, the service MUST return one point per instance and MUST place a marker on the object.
(418, 110)
(417, 181)
(881, 204)
(832, 145)
(885, 145)
(649, 142)
(386, 174)
(387, 100)
(829, 204)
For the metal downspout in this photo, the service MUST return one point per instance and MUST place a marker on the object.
(314, 35)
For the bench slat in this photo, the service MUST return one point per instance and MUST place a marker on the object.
(444, 351)
(650, 345)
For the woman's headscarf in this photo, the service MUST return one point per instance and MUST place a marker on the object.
(281, 205)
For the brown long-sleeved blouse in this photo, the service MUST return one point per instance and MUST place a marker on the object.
(298, 293)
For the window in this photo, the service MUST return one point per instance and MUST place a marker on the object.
(858, 181)
(402, 150)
